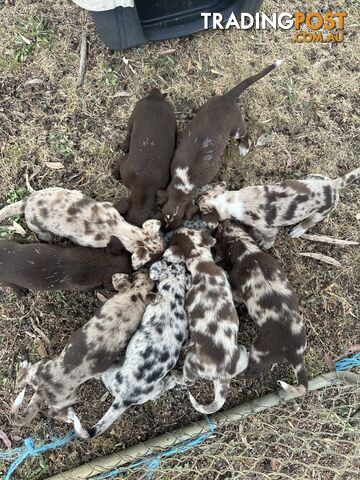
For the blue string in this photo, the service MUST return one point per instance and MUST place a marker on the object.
(153, 462)
(20, 454)
(29, 449)
(347, 363)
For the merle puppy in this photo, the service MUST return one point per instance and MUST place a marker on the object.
(150, 146)
(266, 208)
(42, 267)
(258, 281)
(153, 351)
(90, 351)
(215, 354)
(197, 157)
(69, 213)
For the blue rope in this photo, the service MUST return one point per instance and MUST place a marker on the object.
(29, 449)
(347, 363)
(153, 462)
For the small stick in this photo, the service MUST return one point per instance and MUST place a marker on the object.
(325, 239)
(82, 68)
(322, 258)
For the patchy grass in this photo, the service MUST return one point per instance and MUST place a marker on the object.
(310, 108)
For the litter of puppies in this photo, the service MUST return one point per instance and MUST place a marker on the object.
(169, 292)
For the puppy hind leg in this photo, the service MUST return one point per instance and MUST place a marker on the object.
(43, 235)
(309, 222)
(30, 411)
(267, 237)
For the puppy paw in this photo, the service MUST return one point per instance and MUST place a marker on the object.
(243, 150)
(73, 418)
(25, 364)
(297, 231)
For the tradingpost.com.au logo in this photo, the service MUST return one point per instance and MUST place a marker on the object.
(306, 25)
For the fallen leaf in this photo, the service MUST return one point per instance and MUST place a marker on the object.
(54, 165)
(104, 397)
(5, 439)
(265, 139)
(123, 94)
(41, 350)
(26, 40)
(31, 81)
(357, 216)
(216, 72)
(273, 464)
(41, 333)
(167, 51)
(289, 162)
(321, 258)
(330, 240)
(329, 362)
(17, 228)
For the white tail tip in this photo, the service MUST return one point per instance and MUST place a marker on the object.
(19, 400)
(298, 391)
(279, 62)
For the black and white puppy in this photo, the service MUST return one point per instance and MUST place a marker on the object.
(153, 350)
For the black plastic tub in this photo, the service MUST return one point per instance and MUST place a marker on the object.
(151, 20)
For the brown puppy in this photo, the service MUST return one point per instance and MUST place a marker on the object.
(42, 267)
(268, 207)
(90, 351)
(213, 320)
(197, 157)
(150, 144)
(258, 281)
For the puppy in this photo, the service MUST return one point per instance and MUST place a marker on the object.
(150, 145)
(90, 351)
(213, 321)
(197, 157)
(42, 267)
(258, 281)
(268, 207)
(84, 221)
(153, 350)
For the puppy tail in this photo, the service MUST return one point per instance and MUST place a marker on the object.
(346, 179)
(30, 411)
(107, 420)
(13, 209)
(238, 89)
(302, 379)
(221, 389)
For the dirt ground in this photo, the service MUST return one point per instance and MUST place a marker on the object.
(309, 108)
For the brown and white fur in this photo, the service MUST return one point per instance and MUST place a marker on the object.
(198, 156)
(266, 208)
(69, 213)
(149, 147)
(90, 351)
(215, 354)
(258, 281)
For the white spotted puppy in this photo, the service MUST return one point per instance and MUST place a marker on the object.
(69, 213)
(90, 351)
(153, 351)
(213, 320)
(259, 282)
(269, 207)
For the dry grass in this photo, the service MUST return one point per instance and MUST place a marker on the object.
(310, 106)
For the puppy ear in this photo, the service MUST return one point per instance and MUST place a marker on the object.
(174, 254)
(151, 227)
(157, 270)
(183, 242)
(161, 197)
(191, 211)
(115, 246)
(207, 239)
(140, 257)
(121, 281)
(122, 206)
(151, 298)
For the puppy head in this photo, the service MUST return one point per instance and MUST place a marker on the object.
(151, 247)
(186, 243)
(205, 201)
(158, 270)
(142, 283)
(121, 281)
(177, 208)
